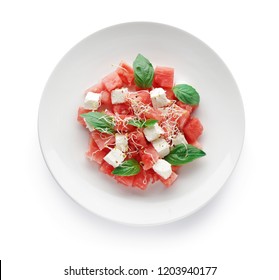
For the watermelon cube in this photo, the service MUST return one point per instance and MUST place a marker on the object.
(102, 139)
(149, 156)
(169, 181)
(126, 73)
(112, 81)
(163, 77)
(80, 119)
(193, 130)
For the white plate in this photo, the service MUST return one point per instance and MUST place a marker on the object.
(64, 142)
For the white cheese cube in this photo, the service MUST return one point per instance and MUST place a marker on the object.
(179, 139)
(115, 157)
(161, 146)
(121, 142)
(162, 168)
(159, 98)
(92, 100)
(118, 96)
(153, 132)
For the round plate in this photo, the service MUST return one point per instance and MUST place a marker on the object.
(64, 142)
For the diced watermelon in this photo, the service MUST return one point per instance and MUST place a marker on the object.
(122, 109)
(125, 180)
(168, 182)
(82, 110)
(183, 119)
(126, 73)
(163, 77)
(106, 99)
(112, 81)
(121, 124)
(175, 168)
(190, 108)
(106, 168)
(149, 156)
(94, 153)
(193, 130)
(154, 177)
(98, 88)
(141, 95)
(154, 114)
(170, 94)
(141, 180)
(102, 139)
(194, 107)
(137, 139)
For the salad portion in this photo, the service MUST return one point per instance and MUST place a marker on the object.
(141, 124)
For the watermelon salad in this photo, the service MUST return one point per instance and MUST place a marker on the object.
(141, 124)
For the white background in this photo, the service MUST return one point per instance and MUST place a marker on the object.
(42, 231)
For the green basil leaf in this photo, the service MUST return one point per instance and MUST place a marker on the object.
(137, 123)
(129, 167)
(100, 121)
(182, 154)
(143, 72)
(142, 123)
(150, 123)
(186, 94)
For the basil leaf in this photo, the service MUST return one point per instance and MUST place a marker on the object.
(186, 94)
(150, 123)
(182, 154)
(100, 121)
(143, 72)
(129, 167)
(142, 123)
(137, 123)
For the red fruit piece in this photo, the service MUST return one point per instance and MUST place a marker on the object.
(102, 139)
(122, 109)
(137, 140)
(193, 130)
(183, 120)
(163, 77)
(126, 73)
(154, 114)
(94, 153)
(170, 94)
(125, 180)
(121, 124)
(112, 81)
(142, 96)
(105, 101)
(106, 168)
(141, 180)
(190, 108)
(98, 88)
(149, 156)
(168, 182)
(80, 119)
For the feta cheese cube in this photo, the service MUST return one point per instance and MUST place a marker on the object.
(115, 157)
(153, 132)
(179, 139)
(121, 142)
(92, 100)
(162, 168)
(161, 146)
(159, 98)
(118, 96)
